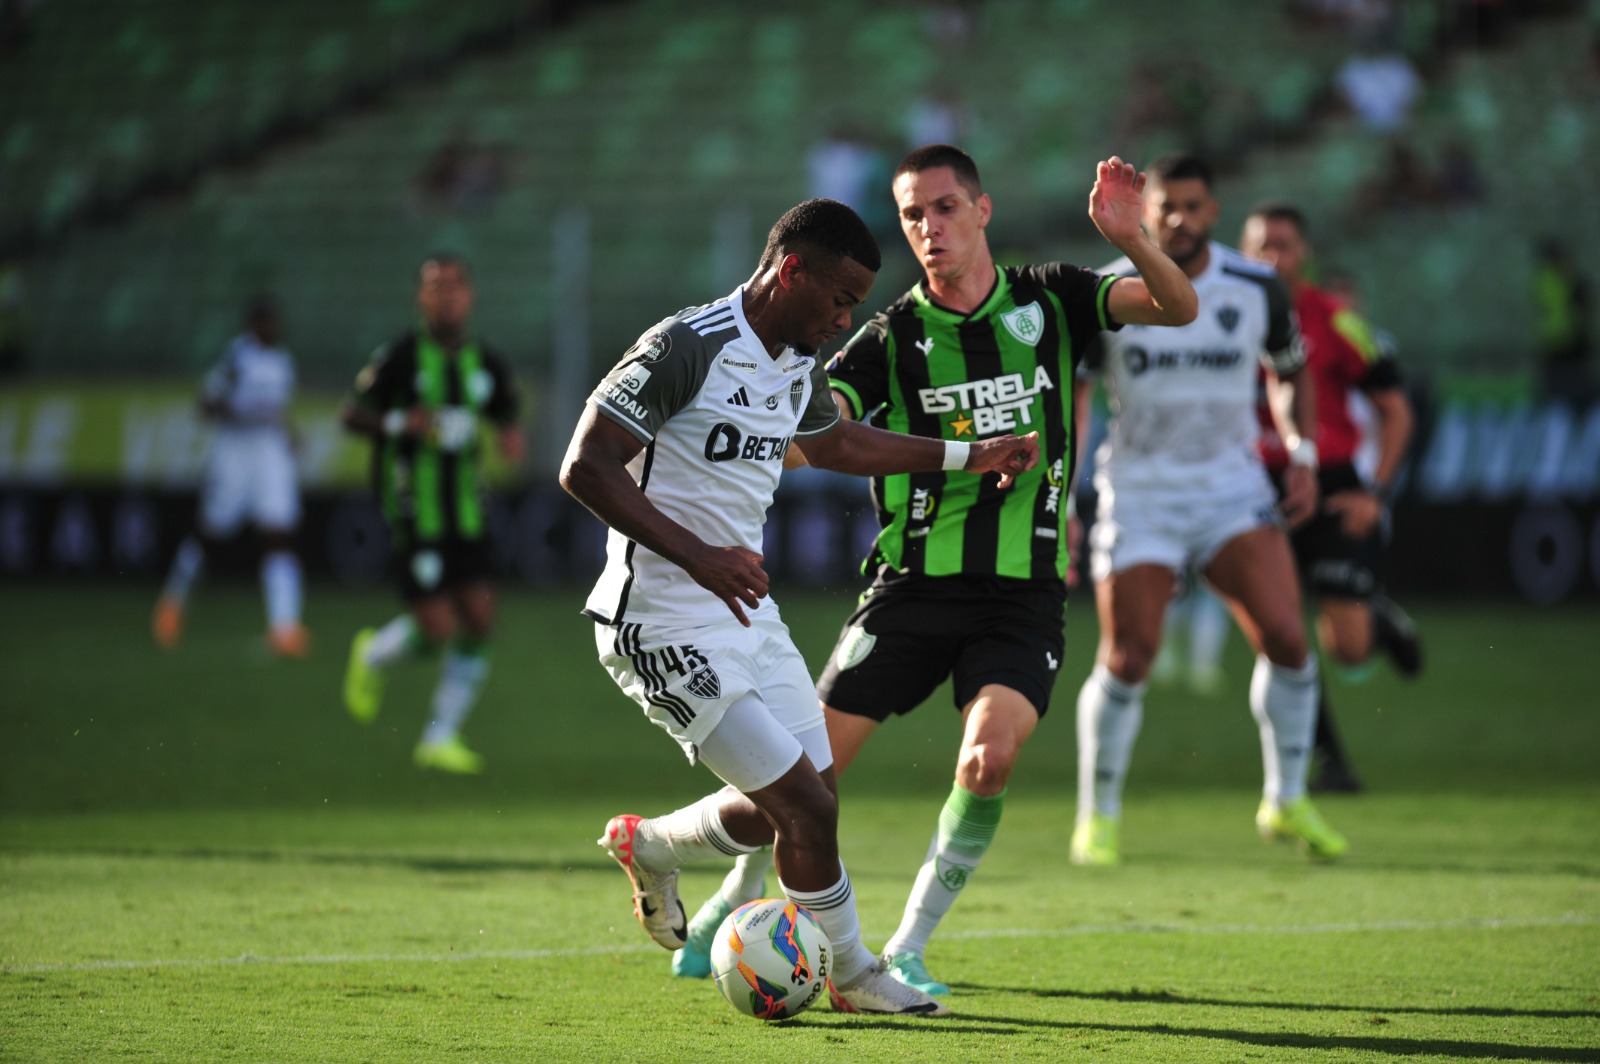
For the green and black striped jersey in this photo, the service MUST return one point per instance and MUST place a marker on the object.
(432, 488)
(1006, 367)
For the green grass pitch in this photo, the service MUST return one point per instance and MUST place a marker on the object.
(203, 859)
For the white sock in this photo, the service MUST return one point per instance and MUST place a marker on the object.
(1109, 715)
(835, 910)
(1208, 632)
(967, 825)
(392, 642)
(1284, 702)
(460, 680)
(281, 584)
(747, 879)
(693, 833)
(186, 567)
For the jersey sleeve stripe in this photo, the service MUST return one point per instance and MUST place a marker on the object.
(856, 406)
(636, 430)
(829, 427)
(1102, 302)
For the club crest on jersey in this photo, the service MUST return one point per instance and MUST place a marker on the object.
(1228, 318)
(1025, 323)
(797, 394)
(480, 385)
(704, 684)
(653, 348)
(854, 647)
(427, 568)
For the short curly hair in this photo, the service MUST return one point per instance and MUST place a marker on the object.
(826, 226)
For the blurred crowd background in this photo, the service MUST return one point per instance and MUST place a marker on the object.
(604, 163)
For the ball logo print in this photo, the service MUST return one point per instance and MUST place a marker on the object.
(770, 959)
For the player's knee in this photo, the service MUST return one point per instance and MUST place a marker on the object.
(986, 767)
(1350, 653)
(1285, 644)
(1130, 659)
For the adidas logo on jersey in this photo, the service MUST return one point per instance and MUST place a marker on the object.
(739, 398)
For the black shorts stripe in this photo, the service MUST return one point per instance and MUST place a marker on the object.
(679, 710)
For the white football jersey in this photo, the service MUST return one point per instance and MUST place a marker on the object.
(716, 414)
(1183, 400)
(254, 384)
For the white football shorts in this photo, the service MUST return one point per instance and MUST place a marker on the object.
(1176, 531)
(686, 678)
(250, 478)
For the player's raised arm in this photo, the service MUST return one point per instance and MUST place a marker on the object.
(594, 471)
(1161, 294)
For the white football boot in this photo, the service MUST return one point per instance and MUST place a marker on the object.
(877, 990)
(655, 895)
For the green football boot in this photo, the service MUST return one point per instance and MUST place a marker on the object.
(910, 970)
(1300, 820)
(363, 684)
(1094, 842)
(448, 755)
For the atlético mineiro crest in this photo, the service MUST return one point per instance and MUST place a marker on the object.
(1025, 323)
(797, 392)
(704, 684)
(1228, 318)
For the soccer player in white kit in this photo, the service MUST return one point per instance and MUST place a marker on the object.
(1180, 484)
(679, 451)
(250, 478)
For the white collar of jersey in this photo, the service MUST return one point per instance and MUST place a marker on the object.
(1221, 254)
(788, 360)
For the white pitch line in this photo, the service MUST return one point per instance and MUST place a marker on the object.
(248, 959)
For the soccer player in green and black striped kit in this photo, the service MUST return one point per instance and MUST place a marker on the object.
(423, 400)
(968, 580)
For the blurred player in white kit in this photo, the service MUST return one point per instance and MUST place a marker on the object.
(250, 478)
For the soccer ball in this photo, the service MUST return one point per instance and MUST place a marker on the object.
(770, 959)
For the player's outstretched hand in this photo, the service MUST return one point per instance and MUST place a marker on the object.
(733, 574)
(1010, 456)
(1115, 201)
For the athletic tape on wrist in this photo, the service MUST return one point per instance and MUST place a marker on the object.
(1304, 453)
(956, 455)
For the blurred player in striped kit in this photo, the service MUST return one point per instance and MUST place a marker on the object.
(424, 401)
(250, 478)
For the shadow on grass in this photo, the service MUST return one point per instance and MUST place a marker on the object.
(1163, 997)
(416, 862)
(1456, 1049)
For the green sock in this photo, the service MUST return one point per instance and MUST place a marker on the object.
(967, 824)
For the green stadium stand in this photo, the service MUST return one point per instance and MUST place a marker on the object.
(665, 127)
